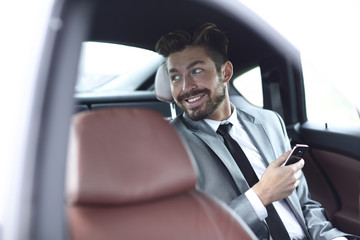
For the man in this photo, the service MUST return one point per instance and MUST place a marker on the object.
(199, 71)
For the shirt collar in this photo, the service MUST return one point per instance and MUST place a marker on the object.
(232, 119)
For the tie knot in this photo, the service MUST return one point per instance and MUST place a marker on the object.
(224, 129)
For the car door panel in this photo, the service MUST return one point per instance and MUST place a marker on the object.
(333, 173)
(344, 174)
(319, 185)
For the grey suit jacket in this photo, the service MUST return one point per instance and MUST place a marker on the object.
(219, 175)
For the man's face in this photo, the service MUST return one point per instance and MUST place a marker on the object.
(195, 84)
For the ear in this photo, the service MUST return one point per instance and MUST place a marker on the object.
(227, 71)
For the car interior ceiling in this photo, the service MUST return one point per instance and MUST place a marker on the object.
(247, 48)
(243, 42)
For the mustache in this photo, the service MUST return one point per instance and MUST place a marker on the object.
(193, 93)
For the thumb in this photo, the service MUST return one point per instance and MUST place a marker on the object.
(281, 159)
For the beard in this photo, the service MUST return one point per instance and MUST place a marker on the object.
(211, 104)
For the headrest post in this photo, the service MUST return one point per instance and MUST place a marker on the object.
(173, 110)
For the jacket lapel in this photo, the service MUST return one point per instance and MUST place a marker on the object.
(258, 135)
(203, 131)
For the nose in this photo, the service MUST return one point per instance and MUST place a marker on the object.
(188, 83)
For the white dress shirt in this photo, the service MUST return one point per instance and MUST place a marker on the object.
(240, 135)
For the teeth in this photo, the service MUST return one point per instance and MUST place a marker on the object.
(193, 99)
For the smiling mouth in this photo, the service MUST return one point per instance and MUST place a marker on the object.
(191, 100)
(194, 101)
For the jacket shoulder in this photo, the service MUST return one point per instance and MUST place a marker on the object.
(177, 121)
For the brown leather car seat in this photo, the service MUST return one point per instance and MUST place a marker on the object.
(130, 177)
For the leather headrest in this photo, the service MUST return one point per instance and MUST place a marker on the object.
(162, 85)
(122, 155)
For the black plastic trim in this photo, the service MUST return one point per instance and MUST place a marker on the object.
(343, 140)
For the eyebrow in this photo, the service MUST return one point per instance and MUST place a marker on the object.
(192, 64)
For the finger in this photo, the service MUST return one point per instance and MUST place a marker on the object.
(298, 165)
(297, 183)
(278, 162)
(298, 175)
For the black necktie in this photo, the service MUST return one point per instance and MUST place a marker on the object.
(277, 228)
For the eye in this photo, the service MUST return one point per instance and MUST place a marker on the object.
(197, 71)
(175, 78)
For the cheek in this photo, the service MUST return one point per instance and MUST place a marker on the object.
(209, 80)
(174, 90)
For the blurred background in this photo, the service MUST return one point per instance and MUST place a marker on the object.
(327, 34)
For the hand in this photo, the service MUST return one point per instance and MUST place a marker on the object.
(278, 182)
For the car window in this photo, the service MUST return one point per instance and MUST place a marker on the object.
(250, 87)
(326, 102)
(107, 68)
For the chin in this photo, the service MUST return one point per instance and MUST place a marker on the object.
(197, 115)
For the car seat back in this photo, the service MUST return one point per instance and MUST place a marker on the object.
(131, 177)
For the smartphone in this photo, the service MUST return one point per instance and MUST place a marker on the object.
(296, 154)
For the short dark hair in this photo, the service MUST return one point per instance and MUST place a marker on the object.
(208, 36)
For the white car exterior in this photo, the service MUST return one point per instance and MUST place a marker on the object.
(24, 27)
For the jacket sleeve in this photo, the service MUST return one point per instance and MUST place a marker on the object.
(244, 209)
(319, 227)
